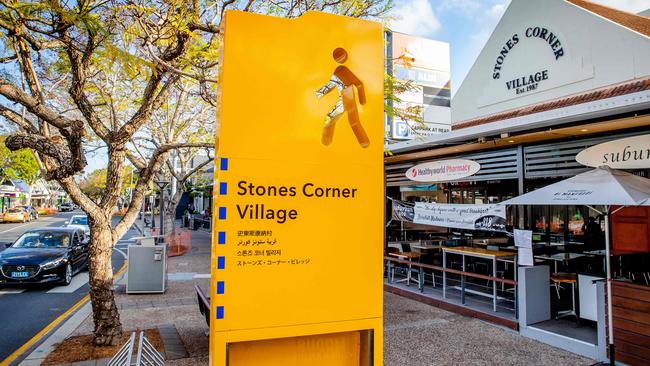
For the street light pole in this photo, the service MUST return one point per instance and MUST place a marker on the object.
(152, 199)
(162, 209)
(161, 182)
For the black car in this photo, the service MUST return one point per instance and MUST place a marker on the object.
(66, 206)
(47, 255)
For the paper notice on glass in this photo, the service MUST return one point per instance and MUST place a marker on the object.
(524, 244)
(523, 238)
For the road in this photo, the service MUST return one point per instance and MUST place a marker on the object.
(26, 311)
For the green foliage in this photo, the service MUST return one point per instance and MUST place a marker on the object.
(19, 164)
(93, 184)
(393, 104)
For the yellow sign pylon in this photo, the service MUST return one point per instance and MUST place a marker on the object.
(298, 206)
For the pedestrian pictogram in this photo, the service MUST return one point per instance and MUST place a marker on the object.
(351, 92)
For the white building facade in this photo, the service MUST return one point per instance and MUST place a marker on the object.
(554, 78)
(425, 64)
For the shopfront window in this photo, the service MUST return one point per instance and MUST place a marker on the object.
(539, 222)
(456, 196)
(479, 197)
(557, 224)
(594, 229)
(576, 223)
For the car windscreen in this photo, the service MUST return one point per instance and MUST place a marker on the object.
(14, 210)
(79, 220)
(43, 239)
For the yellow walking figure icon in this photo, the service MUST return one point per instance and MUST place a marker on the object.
(352, 91)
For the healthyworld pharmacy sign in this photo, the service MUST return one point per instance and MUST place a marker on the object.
(443, 170)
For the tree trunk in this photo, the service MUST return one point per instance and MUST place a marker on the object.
(170, 211)
(169, 221)
(108, 329)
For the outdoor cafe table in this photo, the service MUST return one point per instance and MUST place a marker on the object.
(409, 256)
(560, 257)
(494, 255)
(425, 247)
(599, 252)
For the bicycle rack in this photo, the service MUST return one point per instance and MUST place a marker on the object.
(146, 354)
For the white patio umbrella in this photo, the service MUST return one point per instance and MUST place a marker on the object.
(602, 186)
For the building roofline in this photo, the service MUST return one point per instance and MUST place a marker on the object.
(627, 87)
(635, 22)
(529, 118)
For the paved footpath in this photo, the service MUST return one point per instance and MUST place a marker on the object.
(415, 334)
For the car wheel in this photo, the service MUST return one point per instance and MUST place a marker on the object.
(68, 274)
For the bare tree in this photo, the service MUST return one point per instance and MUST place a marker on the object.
(78, 75)
(185, 117)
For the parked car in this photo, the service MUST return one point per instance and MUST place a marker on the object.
(33, 214)
(46, 255)
(66, 206)
(16, 214)
(79, 221)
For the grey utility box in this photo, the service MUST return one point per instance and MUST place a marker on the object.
(147, 267)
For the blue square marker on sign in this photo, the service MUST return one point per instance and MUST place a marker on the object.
(223, 188)
(219, 312)
(222, 213)
(223, 164)
(220, 287)
(221, 237)
(221, 262)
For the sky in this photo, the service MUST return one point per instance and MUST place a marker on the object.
(466, 25)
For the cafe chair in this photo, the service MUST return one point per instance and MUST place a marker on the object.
(557, 280)
(637, 264)
(408, 256)
(390, 267)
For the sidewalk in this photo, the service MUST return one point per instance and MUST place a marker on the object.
(415, 334)
(176, 308)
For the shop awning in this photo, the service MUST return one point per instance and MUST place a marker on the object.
(600, 186)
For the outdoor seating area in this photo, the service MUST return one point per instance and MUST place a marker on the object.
(551, 283)
(478, 273)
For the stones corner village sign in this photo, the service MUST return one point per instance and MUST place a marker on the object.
(298, 193)
(443, 170)
(530, 82)
(626, 153)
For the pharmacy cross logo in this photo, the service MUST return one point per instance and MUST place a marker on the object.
(352, 90)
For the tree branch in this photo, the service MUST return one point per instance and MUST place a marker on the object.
(15, 94)
(195, 169)
(67, 164)
(135, 160)
(18, 120)
(167, 147)
(78, 69)
(208, 28)
(6, 59)
(80, 198)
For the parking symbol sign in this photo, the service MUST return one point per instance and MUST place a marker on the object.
(400, 129)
